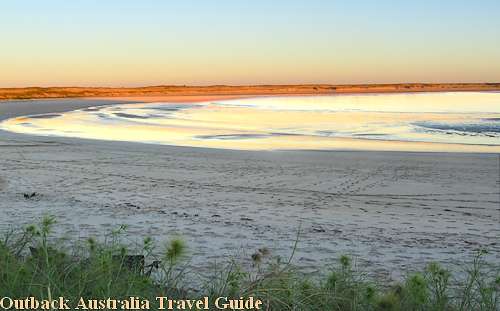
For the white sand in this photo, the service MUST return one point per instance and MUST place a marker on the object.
(393, 210)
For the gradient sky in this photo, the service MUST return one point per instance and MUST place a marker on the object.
(147, 42)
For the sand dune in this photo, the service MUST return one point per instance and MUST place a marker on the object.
(216, 90)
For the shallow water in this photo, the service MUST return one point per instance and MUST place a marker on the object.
(454, 121)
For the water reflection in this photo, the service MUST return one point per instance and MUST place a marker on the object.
(465, 121)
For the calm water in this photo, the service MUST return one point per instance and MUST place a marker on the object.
(461, 121)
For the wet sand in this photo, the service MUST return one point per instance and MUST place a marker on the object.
(394, 211)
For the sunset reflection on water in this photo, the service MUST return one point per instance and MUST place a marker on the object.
(461, 122)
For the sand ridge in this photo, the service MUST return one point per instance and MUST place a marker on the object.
(236, 90)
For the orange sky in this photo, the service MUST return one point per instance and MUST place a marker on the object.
(133, 43)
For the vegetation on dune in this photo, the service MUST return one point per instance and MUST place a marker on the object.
(32, 265)
(177, 90)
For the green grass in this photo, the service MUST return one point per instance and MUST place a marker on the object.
(34, 264)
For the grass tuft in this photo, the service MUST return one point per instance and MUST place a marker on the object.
(33, 264)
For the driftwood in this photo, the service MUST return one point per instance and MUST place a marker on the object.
(29, 195)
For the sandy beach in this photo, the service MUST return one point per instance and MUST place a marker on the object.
(394, 211)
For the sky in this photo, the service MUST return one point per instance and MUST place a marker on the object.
(206, 42)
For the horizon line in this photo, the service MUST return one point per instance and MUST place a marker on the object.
(252, 85)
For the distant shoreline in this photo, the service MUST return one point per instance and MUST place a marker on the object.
(182, 93)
